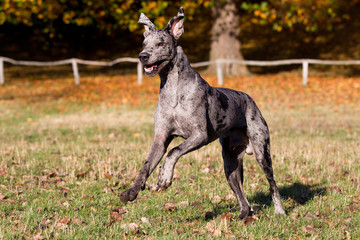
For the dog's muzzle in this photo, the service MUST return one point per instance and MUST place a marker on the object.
(144, 57)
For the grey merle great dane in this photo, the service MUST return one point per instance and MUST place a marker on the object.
(190, 108)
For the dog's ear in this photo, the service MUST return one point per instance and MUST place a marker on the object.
(149, 26)
(176, 24)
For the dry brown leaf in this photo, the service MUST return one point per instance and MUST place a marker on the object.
(216, 199)
(108, 190)
(210, 227)
(197, 205)
(66, 204)
(108, 175)
(183, 204)
(309, 216)
(249, 220)
(61, 226)
(336, 189)
(170, 206)
(176, 174)
(146, 221)
(122, 211)
(81, 174)
(225, 219)
(229, 197)
(64, 220)
(38, 236)
(2, 196)
(115, 216)
(217, 233)
(196, 231)
(350, 208)
(76, 221)
(309, 229)
(294, 216)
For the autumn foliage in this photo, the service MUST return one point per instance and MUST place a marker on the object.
(276, 90)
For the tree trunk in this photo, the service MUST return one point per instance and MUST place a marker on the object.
(224, 38)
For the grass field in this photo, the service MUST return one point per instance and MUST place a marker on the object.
(64, 159)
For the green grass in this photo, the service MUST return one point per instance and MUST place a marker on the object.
(60, 174)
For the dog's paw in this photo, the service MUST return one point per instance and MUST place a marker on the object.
(128, 195)
(244, 213)
(279, 211)
(163, 185)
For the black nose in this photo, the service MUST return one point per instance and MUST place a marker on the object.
(144, 56)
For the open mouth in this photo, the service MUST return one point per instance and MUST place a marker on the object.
(152, 69)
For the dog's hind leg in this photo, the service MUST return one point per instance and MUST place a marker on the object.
(258, 133)
(233, 165)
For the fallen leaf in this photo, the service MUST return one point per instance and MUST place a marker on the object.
(347, 235)
(121, 211)
(61, 226)
(38, 237)
(294, 216)
(81, 174)
(308, 228)
(183, 204)
(309, 216)
(108, 175)
(115, 216)
(249, 220)
(64, 220)
(133, 227)
(66, 204)
(170, 206)
(216, 199)
(217, 233)
(146, 221)
(2, 196)
(76, 221)
(350, 208)
(229, 197)
(210, 227)
(336, 189)
(197, 205)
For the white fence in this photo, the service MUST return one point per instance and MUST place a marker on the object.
(74, 62)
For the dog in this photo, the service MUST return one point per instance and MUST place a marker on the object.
(190, 108)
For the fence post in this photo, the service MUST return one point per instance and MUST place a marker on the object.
(75, 71)
(139, 73)
(305, 70)
(219, 72)
(2, 76)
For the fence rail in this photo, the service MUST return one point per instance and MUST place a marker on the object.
(75, 61)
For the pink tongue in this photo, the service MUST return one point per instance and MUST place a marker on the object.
(151, 68)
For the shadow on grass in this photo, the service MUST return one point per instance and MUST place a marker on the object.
(297, 194)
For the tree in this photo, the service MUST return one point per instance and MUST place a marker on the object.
(225, 42)
(111, 15)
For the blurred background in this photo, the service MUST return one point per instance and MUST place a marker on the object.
(255, 30)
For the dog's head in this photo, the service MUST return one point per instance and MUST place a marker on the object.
(159, 45)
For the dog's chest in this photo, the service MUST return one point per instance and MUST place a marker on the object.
(181, 111)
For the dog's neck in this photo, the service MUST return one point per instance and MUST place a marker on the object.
(171, 74)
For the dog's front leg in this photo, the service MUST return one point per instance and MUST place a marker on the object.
(167, 169)
(157, 151)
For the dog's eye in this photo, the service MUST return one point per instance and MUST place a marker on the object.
(161, 44)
